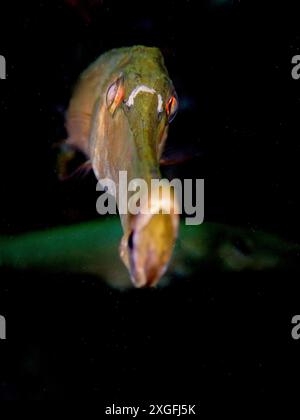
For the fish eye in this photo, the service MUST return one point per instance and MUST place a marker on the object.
(172, 107)
(115, 94)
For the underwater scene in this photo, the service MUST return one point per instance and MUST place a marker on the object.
(149, 235)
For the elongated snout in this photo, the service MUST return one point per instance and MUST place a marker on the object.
(147, 246)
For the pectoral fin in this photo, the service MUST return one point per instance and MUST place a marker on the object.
(71, 163)
(174, 154)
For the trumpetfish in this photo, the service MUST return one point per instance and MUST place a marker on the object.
(118, 117)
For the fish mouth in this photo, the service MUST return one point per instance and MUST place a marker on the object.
(150, 243)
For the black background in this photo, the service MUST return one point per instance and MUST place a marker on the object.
(213, 336)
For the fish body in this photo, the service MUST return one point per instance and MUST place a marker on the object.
(118, 117)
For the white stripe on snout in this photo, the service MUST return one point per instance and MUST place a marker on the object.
(143, 88)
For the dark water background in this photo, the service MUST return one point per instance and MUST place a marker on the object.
(211, 337)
